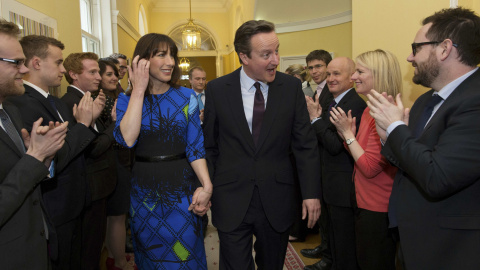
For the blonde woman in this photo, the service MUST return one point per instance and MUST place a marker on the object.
(299, 71)
(373, 175)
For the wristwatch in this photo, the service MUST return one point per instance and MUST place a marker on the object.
(350, 141)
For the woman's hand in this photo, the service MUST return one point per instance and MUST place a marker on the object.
(200, 202)
(139, 75)
(345, 125)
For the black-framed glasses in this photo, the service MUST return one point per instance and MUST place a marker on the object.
(17, 62)
(415, 46)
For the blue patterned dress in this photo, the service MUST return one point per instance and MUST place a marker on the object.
(165, 234)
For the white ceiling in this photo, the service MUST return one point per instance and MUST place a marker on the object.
(276, 11)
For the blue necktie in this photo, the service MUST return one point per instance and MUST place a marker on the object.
(200, 103)
(427, 113)
(11, 131)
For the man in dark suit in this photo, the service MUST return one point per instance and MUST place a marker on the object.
(82, 72)
(252, 116)
(317, 62)
(337, 184)
(64, 198)
(23, 223)
(435, 199)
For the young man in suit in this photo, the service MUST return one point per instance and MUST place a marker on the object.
(337, 184)
(198, 79)
(317, 62)
(25, 164)
(64, 198)
(435, 199)
(252, 117)
(82, 72)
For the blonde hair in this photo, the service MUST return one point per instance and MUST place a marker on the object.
(297, 69)
(385, 69)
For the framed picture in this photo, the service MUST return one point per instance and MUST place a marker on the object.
(30, 21)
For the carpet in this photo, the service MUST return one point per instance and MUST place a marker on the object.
(292, 260)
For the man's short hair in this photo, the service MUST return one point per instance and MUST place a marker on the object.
(245, 32)
(190, 72)
(118, 55)
(462, 27)
(319, 55)
(9, 28)
(35, 45)
(73, 62)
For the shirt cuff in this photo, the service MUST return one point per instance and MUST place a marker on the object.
(393, 126)
(315, 119)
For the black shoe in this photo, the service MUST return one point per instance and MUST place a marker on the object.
(315, 253)
(320, 265)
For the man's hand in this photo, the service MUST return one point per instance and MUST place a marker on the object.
(45, 141)
(98, 105)
(312, 206)
(384, 111)
(84, 111)
(314, 108)
(202, 114)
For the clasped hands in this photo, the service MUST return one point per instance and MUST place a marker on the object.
(385, 110)
(44, 141)
(200, 201)
(88, 110)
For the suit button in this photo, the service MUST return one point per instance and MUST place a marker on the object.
(42, 233)
(35, 202)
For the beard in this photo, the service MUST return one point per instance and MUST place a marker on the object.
(427, 72)
(10, 88)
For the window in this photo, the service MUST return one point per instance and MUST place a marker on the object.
(90, 15)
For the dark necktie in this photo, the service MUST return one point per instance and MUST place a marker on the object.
(52, 102)
(258, 111)
(331, 106)
(427, 113)
(11, 131)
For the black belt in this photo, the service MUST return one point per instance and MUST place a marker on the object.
(160, 158)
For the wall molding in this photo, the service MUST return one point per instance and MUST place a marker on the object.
(326, 21)
(127, 26)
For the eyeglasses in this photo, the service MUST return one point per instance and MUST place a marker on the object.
(315, 67)
(17, 62)
(415, 46)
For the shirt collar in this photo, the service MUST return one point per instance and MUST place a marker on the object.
(83, 93)
(449, 88)
(38, 89)
(339, 97)
(248, 82)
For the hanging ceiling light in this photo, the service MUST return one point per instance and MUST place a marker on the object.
(184, 64)
(191, 38)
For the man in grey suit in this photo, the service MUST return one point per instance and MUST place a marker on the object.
(23, 223)
(435, 200)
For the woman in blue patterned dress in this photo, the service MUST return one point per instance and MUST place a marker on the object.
(161, 121)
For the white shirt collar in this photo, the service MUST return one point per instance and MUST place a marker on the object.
(449, 88)
(83, 93)
(339, 97)
(248, 82)
(38, 89)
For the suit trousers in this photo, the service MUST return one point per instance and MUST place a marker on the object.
(342, 237)
(270, 245)
(94, 226)
(69, 245)
(375, 245)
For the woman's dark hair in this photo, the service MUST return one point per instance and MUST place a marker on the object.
(104, 62)
(152, 43)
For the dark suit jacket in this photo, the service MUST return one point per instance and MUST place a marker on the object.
(325, 97)
(236, 165)
(23, 244)
(100, 157)
(437, 187)
(337, 162)
(64, 196)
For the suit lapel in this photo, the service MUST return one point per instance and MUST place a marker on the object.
(3, 134)
(45, 103)
(235, 102)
